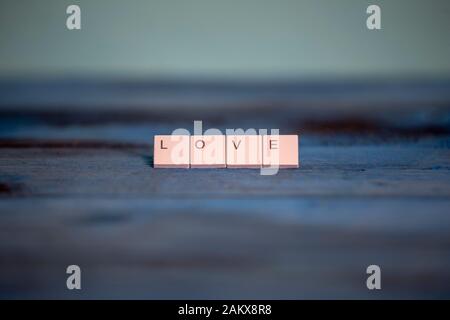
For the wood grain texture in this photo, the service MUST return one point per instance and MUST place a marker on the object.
(152, 233)
(77, 189)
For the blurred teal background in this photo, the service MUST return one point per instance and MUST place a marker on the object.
(313, 39)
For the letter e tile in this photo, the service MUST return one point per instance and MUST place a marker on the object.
(281, 151)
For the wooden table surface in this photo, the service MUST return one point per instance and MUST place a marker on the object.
(77, 186)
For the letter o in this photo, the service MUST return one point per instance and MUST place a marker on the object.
(202, 144)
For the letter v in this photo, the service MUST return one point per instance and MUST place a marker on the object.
(236, 146)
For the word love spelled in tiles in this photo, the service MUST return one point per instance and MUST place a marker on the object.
(226, 151)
